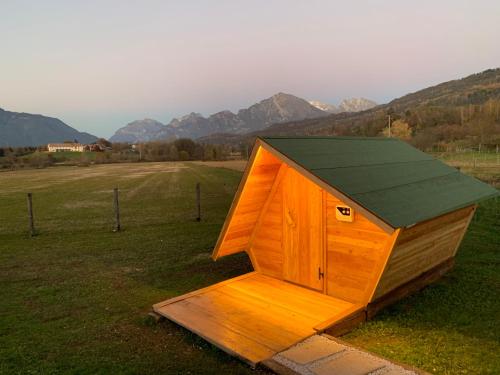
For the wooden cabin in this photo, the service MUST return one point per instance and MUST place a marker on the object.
(335, 229)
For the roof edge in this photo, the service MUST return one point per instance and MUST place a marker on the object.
(340, 138)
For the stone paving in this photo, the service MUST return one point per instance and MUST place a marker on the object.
(322, 355)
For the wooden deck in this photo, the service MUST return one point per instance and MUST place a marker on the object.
(254, 316)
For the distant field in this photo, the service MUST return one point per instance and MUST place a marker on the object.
(64, 155)
(237, 165)
(485, 166)
(70, 155)
(75, 298)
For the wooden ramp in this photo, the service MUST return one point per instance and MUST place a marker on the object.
(254, 316)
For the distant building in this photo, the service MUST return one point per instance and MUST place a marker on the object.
(94, 147)
(57, 147)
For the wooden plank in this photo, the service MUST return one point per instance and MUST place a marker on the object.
(298, 297)
(354, 309)
(459, 241)
(424, 250)
(302, 235)
(426, 245)
(445, 230)
(254, 316)
(263, 211)
(428, 241)
(293, 295)
(253, 259)
(271, 265)
(233, 234)
(232, 342)
(202, 290)
(271, 245)
(351, 242)
(270, 232)
(245, 219)
(235, 245)
(355, 254)
(300, 310)
(324, 240)
(356, 232)
(294, 326)
(433, 224)
(252, 193)
(235, 201)
(383, 260)
(347, 324)
(347, 286)
(267, 243)
(312, 211)
(242, 318)
(250, 208)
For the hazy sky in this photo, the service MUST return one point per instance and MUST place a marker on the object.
(98, 65)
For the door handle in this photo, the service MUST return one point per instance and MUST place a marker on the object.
(320, 274)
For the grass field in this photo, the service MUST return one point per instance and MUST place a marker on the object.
(75, 298)
(485, 166)
(71, 155)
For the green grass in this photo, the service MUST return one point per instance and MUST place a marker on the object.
(75, 298)
(63, 155)
(71, 155)
(482, 165)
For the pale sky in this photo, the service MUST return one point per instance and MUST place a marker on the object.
(98, 65)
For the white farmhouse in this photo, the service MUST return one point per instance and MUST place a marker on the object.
(56, 147)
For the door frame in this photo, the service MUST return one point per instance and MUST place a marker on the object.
(324, 228)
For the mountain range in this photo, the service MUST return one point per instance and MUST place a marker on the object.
(465, 110)
(277, 109)
(346, 105)
(25, 129)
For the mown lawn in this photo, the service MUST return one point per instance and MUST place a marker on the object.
(483, 165)
(75, 298)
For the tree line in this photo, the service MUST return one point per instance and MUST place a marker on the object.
(182, 149)
(427, 127)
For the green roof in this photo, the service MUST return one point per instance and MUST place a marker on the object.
(393, 180)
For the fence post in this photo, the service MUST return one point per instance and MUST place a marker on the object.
(30, 214)
(198, 201)
(117, 210)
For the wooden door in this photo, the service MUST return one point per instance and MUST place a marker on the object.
(302, 231)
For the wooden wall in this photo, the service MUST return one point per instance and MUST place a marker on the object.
(356, 254)
(422, 247)
(251, 199)
(267, 244)
(352, 255)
